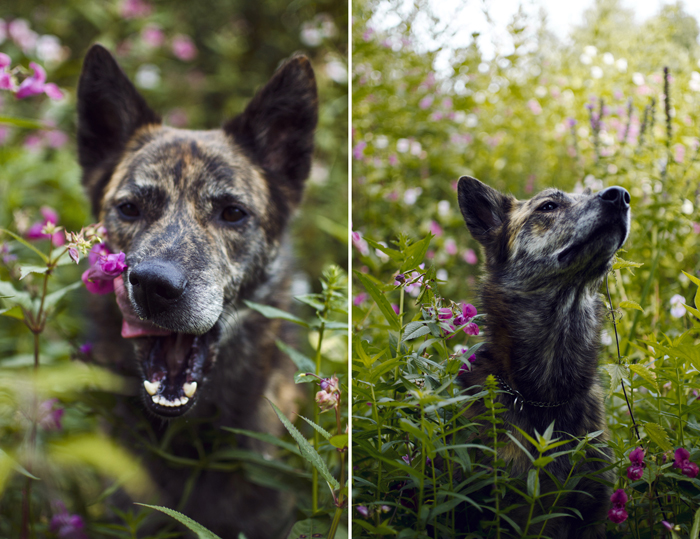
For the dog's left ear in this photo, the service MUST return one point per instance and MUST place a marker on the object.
(277, 127)
(484, 209)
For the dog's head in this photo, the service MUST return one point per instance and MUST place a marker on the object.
(568, 238)
(199, 214)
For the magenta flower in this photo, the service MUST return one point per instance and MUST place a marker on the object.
(183, 48)
(681, 460)
(5, 60)
(50, 418)
(135, 9)
(470, 257)
(359, 149)
(468, 312)
(637, 456)
(35, 84)
(360, 299)
(450, 246)
(104, 268)
(35, 232)
(86, 348)
(635, 471)
(395, 307)
(466, 367)
(445, 313)
(152, 35)
(67, 526)
(425, 102)
(363, 511)
(435, 229)
(618, 514)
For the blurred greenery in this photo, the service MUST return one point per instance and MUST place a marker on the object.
(197, 64)
(589, 111)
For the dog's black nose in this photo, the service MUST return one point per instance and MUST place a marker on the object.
(616, 195)
(156, 285)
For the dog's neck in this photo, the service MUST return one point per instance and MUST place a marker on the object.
(544, 343)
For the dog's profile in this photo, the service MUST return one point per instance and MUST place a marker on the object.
(201, 216)
(545, 260)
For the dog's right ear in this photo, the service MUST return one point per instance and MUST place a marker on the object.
(110, 110)
(484, 209)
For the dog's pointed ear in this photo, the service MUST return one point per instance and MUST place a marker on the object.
(277, 127)
(110, 110)
(484, 209)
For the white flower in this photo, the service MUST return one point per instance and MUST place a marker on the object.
(638, 79)
(608, 58)
(605, 338)
(677, 309)
(596, 72)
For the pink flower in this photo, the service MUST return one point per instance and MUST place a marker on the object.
(5, 60)
(678, 153)
(35, 232)
(22, 35)
(360, 243)
(35, 84)
(184, 48)
(637, 456)
(445, 313)
(395, 307)
(152, 35)
(470, 257)
(363, 511)
(359, 149)
(534, 106)
(104, 268)
(617, 515)
(471, 329)
(56, 138)
(689, 469)
(425, 102)
(468, 312)
(450, 246)
(635, 472)
(135, 9)
(50, 418)
(619, 498)
(435, 228)
(360, 299)
(67, 526)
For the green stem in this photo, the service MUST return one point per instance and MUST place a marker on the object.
(317, 415)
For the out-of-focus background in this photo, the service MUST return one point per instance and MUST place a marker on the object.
(197, 64)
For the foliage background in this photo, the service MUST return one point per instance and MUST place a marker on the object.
(525, 119)
(231, 48)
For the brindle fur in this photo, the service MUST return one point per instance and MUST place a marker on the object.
(182, 180)
(544, 268)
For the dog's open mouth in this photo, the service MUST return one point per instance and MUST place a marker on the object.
(173, 364)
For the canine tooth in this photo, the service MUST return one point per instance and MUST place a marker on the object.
(154, 398)
(183, 400)
(189, 389)
(151, 387)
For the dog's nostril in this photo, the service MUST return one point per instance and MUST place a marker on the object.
(133, 279)
(158, 280)
(616, 195)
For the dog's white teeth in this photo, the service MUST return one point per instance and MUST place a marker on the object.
(159, 399)
(190, 389)
(151, 387)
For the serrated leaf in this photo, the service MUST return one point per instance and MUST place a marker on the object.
(26, 270)
(323, 432)
(631, 305)
(644, 372)
(617, 374)
(339, 441)
(307, 450)
(52, 299)
(311, 527)
(657, 434)
(381, 301)
(415, 330)
(415, 253)
(625, 264)
(201, 531)
(13, 312)
(273, 312)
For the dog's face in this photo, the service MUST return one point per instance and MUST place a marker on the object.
(553, 236)
(199, 214)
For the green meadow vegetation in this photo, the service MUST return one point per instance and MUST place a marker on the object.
(618, 103)
(197, 64)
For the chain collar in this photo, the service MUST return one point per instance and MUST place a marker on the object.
(519, 397)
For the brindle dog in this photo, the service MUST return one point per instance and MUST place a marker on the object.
(201, 216)
(545, 261)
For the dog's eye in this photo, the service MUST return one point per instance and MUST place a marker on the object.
(128, 211)
(548, 206)
(233, 214)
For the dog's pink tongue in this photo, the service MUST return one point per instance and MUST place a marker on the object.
(133, 326)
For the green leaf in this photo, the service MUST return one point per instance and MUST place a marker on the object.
(307, 450)
(696, 281)
(12, 295)
(13, 312)
(265, 437)
(26, 270)
(695, 530)
(617, 374)
(381, 301)
(391, 253)
(415, 253)
(313, 300)
(272, 312)
(625, 264)
(631, 305)
(53, 298)
(25, 123)
(339, 440)
(311, 527)
(533, 484)
(323, 432)
(657, 434)
(201, 531)
(415, 330)
(302, 362)
(647, 374)
(542, 461)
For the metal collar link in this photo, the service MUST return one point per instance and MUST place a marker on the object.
(518, 396)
